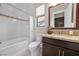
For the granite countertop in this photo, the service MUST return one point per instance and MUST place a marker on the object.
(63, 37)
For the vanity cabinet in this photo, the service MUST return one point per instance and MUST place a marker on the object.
(50, 50)
(56, 47)
(68, 52)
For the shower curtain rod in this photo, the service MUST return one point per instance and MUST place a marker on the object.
(12, 17)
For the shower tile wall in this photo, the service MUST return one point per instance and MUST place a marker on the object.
(64, 32)
(12, 29)
(9, 10)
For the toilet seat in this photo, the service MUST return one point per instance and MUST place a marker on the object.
(34, 44)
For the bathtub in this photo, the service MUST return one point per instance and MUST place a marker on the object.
(14, 47)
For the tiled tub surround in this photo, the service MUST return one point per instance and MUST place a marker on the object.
(65, 32)
(15, 47)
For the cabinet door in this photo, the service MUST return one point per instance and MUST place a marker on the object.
(50, 50)
(68, 52)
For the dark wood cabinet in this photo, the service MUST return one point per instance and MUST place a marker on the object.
(56, 47)
(68, 52)
(50, 50)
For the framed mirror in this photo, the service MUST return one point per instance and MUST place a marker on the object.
(62, 16)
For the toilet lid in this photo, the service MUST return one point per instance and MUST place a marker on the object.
(34, 44)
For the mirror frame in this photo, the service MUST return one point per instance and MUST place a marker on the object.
(63, 27)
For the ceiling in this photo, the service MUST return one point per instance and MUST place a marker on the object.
(28, 8)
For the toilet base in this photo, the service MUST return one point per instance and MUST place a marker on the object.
(35, 49)
(36, 52)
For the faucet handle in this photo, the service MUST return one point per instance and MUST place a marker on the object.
(71, 32)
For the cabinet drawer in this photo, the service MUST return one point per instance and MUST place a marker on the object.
(68, 52)
(50, 50)
(62, 43)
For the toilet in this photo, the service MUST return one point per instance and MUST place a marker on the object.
(35, 46)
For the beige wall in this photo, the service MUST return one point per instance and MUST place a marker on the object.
(40, 30)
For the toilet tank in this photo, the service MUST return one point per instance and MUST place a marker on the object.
(39, 37)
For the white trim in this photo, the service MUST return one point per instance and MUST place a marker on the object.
(58, 12)
(74, 18)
